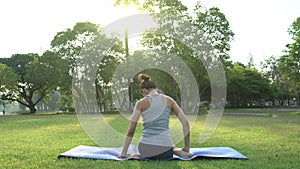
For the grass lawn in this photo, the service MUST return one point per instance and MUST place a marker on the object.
(34, 141)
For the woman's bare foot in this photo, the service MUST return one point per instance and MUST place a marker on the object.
(179, 152)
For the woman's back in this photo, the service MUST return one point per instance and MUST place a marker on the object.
(155, 109)
(156, 122)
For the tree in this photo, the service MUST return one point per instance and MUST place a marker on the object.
(211, 23)
(212, 28)
(82, 47)
(171, 7)
(61, 78)
(158, 41)
(28, 78)
(126, 2)
(289, 63)
(8, 80)
(280, 84)
(110, 61)
(68, 45)
(246, 85)
(284, 71)
(214, 23)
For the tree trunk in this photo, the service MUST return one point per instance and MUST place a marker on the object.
(298, 99)
(32, 108)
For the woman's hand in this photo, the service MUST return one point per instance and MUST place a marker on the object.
(124, 156)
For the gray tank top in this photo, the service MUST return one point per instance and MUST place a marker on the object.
(156, 123)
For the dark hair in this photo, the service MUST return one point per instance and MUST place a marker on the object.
(146, 82)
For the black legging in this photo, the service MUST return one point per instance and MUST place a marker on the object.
(154, 152)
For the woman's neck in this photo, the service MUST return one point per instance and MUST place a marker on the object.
(153, 92)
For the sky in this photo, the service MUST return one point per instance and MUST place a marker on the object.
(260, 26)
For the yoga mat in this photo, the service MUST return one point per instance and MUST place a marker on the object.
(90, 152)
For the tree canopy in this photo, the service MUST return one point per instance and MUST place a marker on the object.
(30, 79)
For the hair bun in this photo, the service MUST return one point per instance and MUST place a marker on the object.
(143, 77)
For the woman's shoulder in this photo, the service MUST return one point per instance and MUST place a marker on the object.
(168, 97)
(168, 100)
(143, 104)
(143, 100)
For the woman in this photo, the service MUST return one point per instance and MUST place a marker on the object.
(155, 108)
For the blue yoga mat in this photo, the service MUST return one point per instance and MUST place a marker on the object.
(91, 152)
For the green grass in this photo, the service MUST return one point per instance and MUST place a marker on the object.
(34, 141)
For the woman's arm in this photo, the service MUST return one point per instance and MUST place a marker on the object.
(185, 124)
(130, 133)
